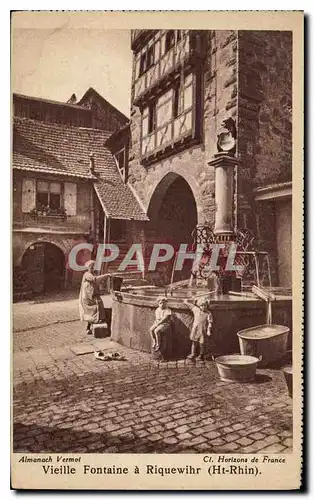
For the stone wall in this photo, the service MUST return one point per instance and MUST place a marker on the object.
(265, 130)
(265, 111)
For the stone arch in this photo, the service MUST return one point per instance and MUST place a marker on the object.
(23, 248)
(160, 186)
(173, 217)
(43, 267)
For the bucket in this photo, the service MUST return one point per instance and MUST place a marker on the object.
(237, 367)
(287, 371)
(268, 341)
(115, 283)
(226, 284)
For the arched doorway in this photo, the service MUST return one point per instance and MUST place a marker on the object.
(173, 216)
(44, 267)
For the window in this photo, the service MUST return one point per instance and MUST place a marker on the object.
(150, 57)
(177, 101)
(120, 160)
(170, 39)
(142, 64)
(151, 117)
(49, 197)
(182, 96)
(147, 60)
(48, 194)
(171, 119)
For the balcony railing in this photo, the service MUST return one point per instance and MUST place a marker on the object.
(177, 56)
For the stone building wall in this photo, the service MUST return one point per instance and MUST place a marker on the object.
(218, 101)
(64, 234)
(264, 129)
(79, 222)
(265, 110)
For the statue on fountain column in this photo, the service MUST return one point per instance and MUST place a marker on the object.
(226, 139)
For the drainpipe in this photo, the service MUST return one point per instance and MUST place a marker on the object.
(106, 237)
(93, 225)
(105, 240)
(92, 210)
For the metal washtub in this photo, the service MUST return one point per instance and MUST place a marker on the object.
(268, 341)
(288, 373)
(237, 367)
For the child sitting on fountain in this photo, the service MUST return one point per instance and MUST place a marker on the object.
(202, 325)
(161, 323)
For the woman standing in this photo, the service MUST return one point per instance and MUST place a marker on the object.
(90, 304)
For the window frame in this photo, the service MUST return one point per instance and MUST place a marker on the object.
(181, 89)
(122, 170)
(147, 60)
(150, 57)
(61, 194)
(142, 65)
(170, 40)
(152, 118)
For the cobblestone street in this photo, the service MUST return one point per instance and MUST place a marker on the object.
(65, 400)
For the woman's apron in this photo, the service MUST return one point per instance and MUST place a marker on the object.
(90, 304)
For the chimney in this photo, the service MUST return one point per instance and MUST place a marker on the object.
(92, 164)
(72, 99)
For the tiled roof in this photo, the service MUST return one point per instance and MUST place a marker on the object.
(63, 150)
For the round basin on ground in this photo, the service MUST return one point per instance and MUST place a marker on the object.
(237, 367)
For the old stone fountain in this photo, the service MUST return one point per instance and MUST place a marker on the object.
(133, 309)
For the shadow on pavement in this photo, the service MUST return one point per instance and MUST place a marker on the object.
(59, 296)
(38, 439)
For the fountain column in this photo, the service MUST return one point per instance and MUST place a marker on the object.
(224, 164)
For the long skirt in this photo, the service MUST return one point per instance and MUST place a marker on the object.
(91, 306)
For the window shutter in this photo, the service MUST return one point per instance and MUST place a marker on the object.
(70, 198)
(28, 195)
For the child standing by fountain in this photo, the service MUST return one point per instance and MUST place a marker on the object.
(201, 328)
(161, 324)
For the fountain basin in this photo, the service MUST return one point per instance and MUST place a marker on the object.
(133, 312)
